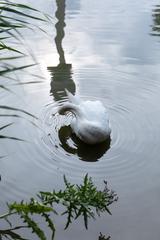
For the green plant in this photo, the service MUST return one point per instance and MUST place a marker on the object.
(83, 200)
(13, 18)
(103, 237)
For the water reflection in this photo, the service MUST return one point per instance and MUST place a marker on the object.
(73, 7)
(61, 78)
(156, 21)
(61, 75)
(85, 152)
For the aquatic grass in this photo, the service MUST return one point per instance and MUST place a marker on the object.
(10, 58)
(13, 18)
(83, 200)
(18, 116)
(10, 115)
(9, 28)
(5, 88)
(8, 137)
(3, 46)
(13, 69)
(5, 126)
(11, 138)
(28, 82)
(9, 3)
(10, 234)
(17, 110)
(8, 6)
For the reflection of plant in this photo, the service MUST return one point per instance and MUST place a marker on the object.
(156, 20)
(78, 200)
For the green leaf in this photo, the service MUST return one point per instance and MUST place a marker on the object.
(14, 19)
(16, 109)
(9, 137)
(15, 68)
(34, 226)
(30, 82)
(11, 234)
(50, 224)
(79, 201)
(7, 125)
(32, 207)
(7, 9)
(10, 115)
(5, 88)
(83, 200)
(18, 5)
(10, 58)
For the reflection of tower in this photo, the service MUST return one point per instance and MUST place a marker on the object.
(60, 15)
(61, 75)
(156, 21)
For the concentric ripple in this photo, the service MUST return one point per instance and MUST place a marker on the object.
(126, 154)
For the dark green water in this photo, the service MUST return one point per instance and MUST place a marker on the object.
(106, 50)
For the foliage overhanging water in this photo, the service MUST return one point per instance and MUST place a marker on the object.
(108, 52)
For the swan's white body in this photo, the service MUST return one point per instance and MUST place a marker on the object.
(90, 122)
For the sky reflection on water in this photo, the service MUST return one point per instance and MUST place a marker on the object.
(107, 51)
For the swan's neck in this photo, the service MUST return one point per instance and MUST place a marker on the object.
(70, 107)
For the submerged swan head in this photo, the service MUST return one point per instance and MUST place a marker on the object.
(90, 122)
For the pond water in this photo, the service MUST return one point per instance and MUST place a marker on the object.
(101, 50)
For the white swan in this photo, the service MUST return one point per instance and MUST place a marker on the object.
(91, 120)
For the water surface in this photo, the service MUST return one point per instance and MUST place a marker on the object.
(106, 50)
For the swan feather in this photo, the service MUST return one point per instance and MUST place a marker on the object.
(91, 119)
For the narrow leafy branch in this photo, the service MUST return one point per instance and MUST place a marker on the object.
(83, 200)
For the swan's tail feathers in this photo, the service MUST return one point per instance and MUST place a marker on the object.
(73, 99)
(70, 107)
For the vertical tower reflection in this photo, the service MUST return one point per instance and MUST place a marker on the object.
(61, 75)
